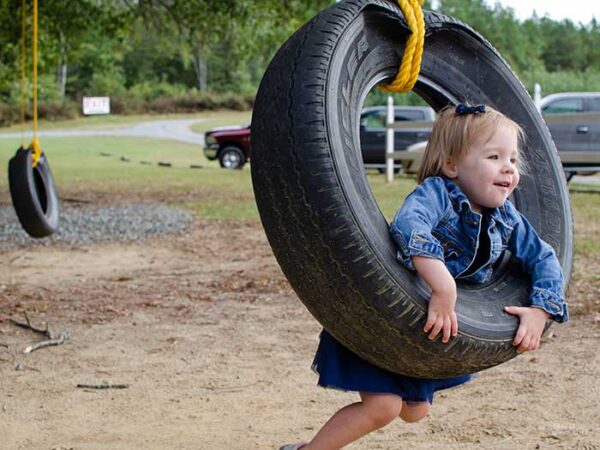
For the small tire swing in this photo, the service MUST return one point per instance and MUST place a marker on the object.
(33, 193)
(30, 179)
(319, 212)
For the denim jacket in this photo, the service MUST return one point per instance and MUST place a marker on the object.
(437, 221)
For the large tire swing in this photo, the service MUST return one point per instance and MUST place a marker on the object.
(321, 217)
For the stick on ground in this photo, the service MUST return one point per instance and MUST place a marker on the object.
(28, 326)
(59, 340)
(103, 386)
(45, 332)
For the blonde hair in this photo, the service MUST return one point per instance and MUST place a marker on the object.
(452, 134)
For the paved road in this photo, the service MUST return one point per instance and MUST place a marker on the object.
(178, 130)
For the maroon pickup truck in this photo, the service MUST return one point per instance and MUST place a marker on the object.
(230, 145)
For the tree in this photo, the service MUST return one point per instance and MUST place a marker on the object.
(70, 24)
(198, 24)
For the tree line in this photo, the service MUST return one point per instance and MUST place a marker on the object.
(215, 52)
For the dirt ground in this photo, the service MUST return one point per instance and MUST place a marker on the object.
(216, 349)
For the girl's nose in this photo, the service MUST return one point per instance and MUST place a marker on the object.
(509, 167)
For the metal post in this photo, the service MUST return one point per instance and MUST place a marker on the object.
(537, 96)
(389, 140)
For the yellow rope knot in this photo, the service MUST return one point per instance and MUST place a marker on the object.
(37, 151)
(413, 50)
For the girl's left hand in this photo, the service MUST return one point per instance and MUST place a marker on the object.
(531, 326)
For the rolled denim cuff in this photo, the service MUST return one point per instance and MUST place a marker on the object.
(420, 244)
(551, 303)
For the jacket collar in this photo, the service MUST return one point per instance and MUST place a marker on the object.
(458, 197)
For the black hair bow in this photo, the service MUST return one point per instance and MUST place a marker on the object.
(462, 109)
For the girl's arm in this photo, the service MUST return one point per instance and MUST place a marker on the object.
(547, 298)
(538, 259)
(440, 315)
(421, 212)
(419, 250)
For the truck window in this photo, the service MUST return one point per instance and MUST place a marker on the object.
(564, 106)
(595, 104)
(373, 120)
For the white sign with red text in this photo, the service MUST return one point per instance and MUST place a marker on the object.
(96, 105)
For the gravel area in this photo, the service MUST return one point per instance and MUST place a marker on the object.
(91, 225)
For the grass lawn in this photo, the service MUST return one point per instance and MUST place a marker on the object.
(78, 165)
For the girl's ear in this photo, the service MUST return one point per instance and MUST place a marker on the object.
(449, 168)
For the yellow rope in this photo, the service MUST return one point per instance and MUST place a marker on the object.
(22, 100)
(413, 50)
(35, 144)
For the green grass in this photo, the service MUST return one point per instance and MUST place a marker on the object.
(390, 196)
(586, 216)
(210, 192)
(79, 168)
(74, 160)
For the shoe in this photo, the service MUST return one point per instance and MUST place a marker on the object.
(296, 446)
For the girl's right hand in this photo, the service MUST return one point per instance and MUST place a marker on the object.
(441, 315)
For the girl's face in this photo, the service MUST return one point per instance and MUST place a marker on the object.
(488, 173)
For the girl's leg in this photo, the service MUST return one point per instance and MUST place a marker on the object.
(414, 411)
(354, 421)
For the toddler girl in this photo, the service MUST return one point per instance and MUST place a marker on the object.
(454, 225)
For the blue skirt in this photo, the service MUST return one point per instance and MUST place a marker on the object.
(339, 368)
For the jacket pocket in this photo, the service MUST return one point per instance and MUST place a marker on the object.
(450, 246)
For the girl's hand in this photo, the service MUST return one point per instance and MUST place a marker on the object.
(531, 326)
(441, 315)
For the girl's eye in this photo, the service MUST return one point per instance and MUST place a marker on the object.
(493, 157)
(513, 160)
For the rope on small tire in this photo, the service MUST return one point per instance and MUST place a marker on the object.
(30, 179)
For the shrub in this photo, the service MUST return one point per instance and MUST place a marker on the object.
(9, 114)
(59, 110)
(151, 90)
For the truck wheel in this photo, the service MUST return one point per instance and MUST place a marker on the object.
(321, 217)
(232, 158)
